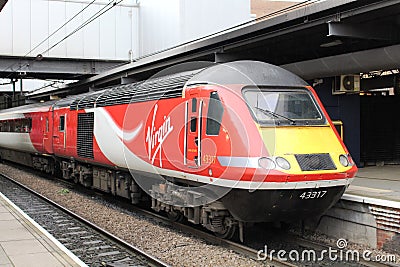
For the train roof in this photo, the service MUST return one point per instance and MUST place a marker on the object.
(249, 73)
(36, 107)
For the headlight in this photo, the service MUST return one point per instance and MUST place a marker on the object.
(344, 160)
(266, 163)
(282, 163)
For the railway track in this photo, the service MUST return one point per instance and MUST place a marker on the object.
(190, 229)
(252, 250)
(91, 244)
(211, 238)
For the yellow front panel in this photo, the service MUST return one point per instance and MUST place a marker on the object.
(286, 141)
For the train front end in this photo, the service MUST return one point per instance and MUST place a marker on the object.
(297, 165)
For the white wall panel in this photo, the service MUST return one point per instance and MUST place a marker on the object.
(6, 32)
(29, 22)
(91, 44)
(164, 24)
(57, 18)
(201, 18)
(123, 32)
(39, 26)
(107, 34)
(159, 25)
(74, 43)
(21, 26)
(153, 26)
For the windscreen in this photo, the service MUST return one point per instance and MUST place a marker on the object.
(283, 107)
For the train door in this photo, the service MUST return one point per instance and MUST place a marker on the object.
(59, 132)
(193, 129)
(47, 145)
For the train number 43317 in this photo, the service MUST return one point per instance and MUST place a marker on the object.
(313, 194)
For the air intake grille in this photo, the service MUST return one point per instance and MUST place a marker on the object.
(315, 162)
(85, 135)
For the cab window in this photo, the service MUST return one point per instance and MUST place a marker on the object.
(214, 114)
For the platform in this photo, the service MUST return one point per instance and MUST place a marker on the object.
(379, 185)
(24, 243)
(369, 211)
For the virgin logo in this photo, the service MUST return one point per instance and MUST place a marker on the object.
(155, 137)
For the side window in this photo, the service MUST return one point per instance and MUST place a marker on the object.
(214, 114)
(194, 104)
(61, 127)
(193, 124)
(16, 126)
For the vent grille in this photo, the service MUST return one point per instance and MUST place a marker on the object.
(85, 135)
(153, 89)
(315, 162)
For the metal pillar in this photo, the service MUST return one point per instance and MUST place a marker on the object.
(13, 81)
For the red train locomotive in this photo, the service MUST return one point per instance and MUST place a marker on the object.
(225, 145)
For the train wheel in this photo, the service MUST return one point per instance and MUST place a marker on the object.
(228, 233)
(175, 216)
(227, 229)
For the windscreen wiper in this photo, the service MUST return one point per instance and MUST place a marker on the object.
(276, 115)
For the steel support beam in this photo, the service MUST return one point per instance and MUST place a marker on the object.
(386, 58)
(363, 31)
(2, 4)
(225, 57)
(17, 67)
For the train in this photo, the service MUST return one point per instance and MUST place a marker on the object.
(222, 146)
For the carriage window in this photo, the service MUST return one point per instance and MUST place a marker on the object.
(62, 124)
(16, 125)
(214, 114)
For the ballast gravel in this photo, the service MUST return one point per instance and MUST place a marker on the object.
(171, 246)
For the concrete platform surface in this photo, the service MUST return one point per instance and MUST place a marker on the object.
(378, 185)
(23, 243)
